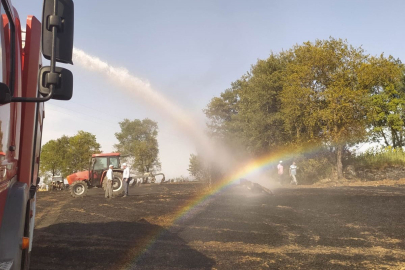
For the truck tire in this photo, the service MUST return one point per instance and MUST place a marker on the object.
(78, 189)
(118, 184)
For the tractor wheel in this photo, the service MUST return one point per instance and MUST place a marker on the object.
(78, 189)
(118, 184)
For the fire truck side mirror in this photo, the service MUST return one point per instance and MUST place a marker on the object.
(5, 94)
(57, 46)
(63, 19)
(63, 80)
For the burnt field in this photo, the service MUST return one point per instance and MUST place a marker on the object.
(297, 228)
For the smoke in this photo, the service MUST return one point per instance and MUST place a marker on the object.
(141, 89)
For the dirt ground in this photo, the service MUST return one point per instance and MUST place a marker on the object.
(352, 227)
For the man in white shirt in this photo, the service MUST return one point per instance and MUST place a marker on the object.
(280, 171)
(293, 173)
(109, 188)
(125, 179)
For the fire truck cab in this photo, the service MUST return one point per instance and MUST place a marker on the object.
(24, 87)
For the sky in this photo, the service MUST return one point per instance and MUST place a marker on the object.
(189, 52)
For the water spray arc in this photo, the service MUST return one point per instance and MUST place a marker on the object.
(140, 89)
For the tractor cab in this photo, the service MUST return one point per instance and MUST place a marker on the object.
(99, 164)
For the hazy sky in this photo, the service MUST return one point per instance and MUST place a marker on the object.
(190, 51)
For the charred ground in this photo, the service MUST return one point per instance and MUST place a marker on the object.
(297, 228)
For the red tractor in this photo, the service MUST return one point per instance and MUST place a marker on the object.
(96, 175)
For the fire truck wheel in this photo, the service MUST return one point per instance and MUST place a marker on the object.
(78, 189)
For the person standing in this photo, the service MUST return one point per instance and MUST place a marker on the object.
(109, 186)
(280, 171)
(125, 177)
(293, 173)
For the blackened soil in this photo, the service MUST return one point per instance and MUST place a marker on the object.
(297, 228)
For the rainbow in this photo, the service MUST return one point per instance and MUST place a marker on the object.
(198, 203)
(141, 89)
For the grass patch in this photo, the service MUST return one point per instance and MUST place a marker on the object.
(379, 158)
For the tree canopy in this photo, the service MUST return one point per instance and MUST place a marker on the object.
(326, 93)
(138, 140)
(81, 147)
(196, 167)
(67, 155)
(204, 170)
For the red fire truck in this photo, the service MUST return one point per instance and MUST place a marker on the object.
(24, 87)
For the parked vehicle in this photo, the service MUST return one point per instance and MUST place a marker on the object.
(57, 183)
(80, 182)
(24, 87)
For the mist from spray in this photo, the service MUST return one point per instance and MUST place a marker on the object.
(140, 89)
(179, 118)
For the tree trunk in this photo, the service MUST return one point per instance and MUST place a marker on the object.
(385, 139)
(393, 138)
(339, 166)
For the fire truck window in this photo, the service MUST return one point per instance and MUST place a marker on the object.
(4, 109)
(7, 36)
(5, 33)
(100, 164)
(114, 161)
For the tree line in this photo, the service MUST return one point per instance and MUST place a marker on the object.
(67, 155)
(326, 94)
(137, 143)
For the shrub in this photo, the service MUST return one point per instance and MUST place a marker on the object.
(312, 170)
(380, 157)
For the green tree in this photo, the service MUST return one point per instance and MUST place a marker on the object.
(248, 114)
(138, 139)
(81, 147)
(325, 94)
(50, 158)
(196, 167)
(203, 170)
(323, 100)
(260, 105)
(53, 156)
(67, 155)
(385, 80)
(222, 112)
